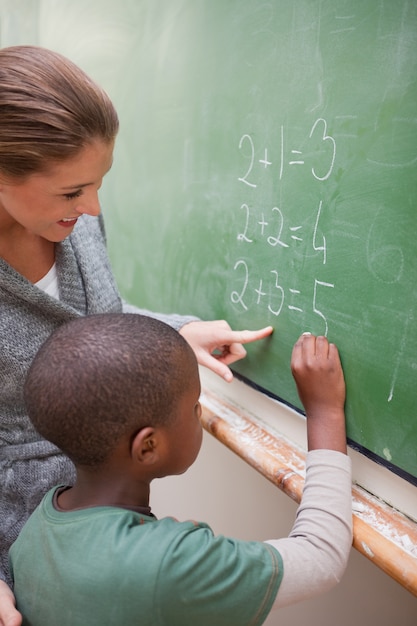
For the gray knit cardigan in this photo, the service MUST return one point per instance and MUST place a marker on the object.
(29, 465)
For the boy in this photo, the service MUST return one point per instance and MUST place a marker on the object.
(94, 553)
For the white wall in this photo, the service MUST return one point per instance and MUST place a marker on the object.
(235, 500)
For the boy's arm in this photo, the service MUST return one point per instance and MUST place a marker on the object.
(315, 553)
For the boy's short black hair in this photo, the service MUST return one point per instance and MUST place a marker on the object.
(100, 377)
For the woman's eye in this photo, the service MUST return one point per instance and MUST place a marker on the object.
(73, 194)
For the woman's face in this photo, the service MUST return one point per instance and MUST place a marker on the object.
(49, 204)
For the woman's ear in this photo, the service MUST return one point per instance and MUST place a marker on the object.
(144, 446)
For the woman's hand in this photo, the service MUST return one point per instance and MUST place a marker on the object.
(9, 616)
(216, 345)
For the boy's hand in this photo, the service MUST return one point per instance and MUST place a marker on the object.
(318, 374)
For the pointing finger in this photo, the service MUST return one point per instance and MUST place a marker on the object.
(247, 336)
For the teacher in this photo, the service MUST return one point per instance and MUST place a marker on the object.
(57, 134)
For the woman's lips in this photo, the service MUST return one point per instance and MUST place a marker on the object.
(68, 222)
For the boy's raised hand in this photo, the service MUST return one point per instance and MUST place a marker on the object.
(318, 373)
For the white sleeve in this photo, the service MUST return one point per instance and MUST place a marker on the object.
(316, 552)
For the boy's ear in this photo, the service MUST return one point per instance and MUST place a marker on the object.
(144, 446)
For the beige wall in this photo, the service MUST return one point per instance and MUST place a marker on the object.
(236, 501)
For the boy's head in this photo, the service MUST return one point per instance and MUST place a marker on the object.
(100, 380)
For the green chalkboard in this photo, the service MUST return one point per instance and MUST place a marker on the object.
(266, 173)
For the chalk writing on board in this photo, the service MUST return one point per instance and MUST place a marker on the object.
(315, 245)
(327, 138)
(272, 228)
(275, 299)
(319, 128)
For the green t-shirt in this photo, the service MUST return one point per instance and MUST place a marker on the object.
(108, 565)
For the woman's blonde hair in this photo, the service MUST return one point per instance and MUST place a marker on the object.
(49, 110)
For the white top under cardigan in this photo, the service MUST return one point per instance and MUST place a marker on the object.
(49, 283)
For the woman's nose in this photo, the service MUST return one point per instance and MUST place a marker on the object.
(89, 204)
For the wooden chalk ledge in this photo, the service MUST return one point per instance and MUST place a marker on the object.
(382, 534)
